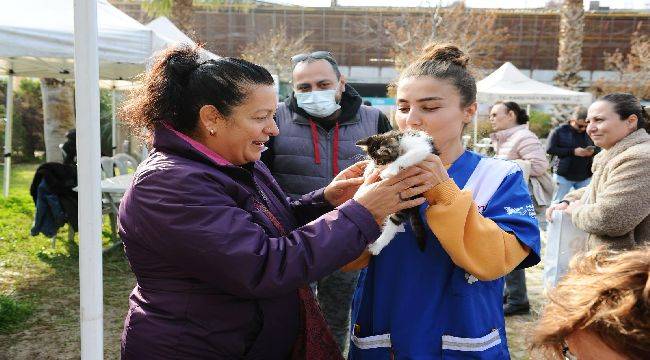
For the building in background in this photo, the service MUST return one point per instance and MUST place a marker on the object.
(347, 31)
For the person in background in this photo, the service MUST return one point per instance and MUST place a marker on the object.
(514, 141)
(599, 310)
(615, 208)
(222, 259)
(319, 125)
(69, 148)
(574, 150)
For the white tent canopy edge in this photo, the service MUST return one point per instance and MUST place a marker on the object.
(507, 83)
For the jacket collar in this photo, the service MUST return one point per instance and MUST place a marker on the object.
(502, 136)
(637, 137)
(171, 141)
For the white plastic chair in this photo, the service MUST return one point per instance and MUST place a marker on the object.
(125, 163)
(108, 167)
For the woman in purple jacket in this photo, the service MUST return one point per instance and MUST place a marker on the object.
(218, 252)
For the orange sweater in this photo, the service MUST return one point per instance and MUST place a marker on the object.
(474, 243)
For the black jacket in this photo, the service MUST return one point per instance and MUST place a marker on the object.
(52, 192)
(561, 143)
(350, 104)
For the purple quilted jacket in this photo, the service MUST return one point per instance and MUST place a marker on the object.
(216, 279)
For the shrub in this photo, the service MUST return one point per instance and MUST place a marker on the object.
(540, 123)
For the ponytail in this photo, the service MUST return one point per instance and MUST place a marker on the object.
(181, 81)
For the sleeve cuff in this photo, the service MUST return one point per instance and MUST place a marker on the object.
(317, 197)
(444, 193)
(361, 217)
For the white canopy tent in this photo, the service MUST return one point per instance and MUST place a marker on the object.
(507, 83)
(168, 31)
(37, 40)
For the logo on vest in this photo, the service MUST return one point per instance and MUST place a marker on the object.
(470, 278)
(528, 210)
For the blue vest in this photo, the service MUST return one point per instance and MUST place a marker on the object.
(294, 163)
(419, 305)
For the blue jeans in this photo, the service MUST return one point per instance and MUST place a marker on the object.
(564, 186)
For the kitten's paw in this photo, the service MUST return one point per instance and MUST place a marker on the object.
(375, 248)
(389, 172)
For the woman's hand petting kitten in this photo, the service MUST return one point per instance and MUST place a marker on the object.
(345, 184)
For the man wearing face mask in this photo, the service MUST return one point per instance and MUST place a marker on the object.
(319, 124)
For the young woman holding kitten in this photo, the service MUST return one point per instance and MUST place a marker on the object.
(446, 301)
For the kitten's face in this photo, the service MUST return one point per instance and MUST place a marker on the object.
(382, 148)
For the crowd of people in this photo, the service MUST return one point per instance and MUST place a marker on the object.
(247, 225)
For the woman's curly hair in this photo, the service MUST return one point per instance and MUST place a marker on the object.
(605, 292)
(180, 81)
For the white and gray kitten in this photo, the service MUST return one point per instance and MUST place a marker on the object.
(396, 150)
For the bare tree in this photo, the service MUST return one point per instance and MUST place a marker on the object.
(633, 69)
(274, 50)
(475, 31)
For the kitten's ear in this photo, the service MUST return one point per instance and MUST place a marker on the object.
(363, 144)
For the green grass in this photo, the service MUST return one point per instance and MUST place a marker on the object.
(39, 284)
(12, 313)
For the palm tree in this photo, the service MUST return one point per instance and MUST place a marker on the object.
(179, 12)
(58, 115)
(569, 61)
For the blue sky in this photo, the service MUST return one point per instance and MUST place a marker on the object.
(614, 4)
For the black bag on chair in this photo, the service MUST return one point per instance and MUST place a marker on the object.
(59, 181)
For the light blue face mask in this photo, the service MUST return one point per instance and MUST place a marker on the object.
(318, 103)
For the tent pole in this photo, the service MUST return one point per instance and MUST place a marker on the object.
(528, 109)
(113, 122)
(86, 71)
(9, 113)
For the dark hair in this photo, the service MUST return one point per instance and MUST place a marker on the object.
(180, 82)
(626, 105)
(448, 62)
(580, 113)
(316, 56)
(522, 117)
